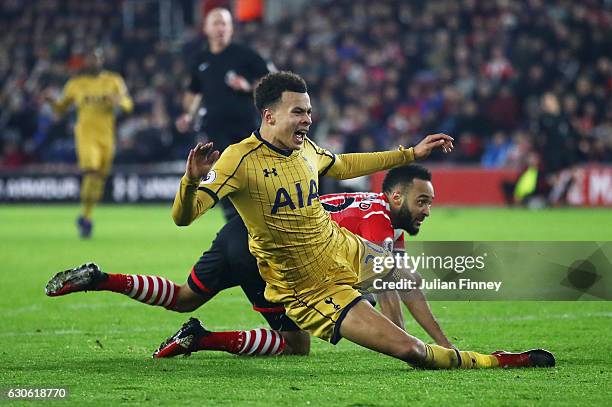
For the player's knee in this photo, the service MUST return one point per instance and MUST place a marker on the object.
(409, 350)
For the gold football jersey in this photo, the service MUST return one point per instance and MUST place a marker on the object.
(95, 98)
(276, 192)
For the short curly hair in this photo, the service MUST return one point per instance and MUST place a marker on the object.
(270, 88)
(404, 176)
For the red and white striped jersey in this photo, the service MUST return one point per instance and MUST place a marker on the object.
(365, 214)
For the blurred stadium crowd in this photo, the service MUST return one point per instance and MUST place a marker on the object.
(512, 81)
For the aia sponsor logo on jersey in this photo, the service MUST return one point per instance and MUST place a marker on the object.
(283, 198)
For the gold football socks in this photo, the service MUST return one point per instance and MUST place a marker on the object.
(443, 358)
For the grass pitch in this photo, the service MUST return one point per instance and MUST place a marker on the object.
(98, 345)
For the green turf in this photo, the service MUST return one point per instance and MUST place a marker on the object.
(98, 344)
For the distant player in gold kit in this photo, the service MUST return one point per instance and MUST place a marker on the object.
(311, 265)
(96, 94)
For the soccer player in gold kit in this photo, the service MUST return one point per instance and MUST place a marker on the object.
(96, 93)
(311, 265)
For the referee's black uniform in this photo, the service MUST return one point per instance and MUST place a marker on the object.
(230, 114)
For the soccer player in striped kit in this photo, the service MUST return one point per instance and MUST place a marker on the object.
(311, 265)
(228, 263)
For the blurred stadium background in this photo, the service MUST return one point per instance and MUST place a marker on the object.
(519, 84)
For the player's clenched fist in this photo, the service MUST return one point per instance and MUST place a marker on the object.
(429, 143)
(200, 160)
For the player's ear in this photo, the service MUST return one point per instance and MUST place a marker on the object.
(268, 116)
(397, 197)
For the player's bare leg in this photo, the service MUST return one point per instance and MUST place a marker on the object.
(365, 326)
(188, 300)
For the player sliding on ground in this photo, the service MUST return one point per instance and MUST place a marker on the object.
(403, 206)
(311, 265)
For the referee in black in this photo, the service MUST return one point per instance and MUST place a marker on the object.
(222, 80)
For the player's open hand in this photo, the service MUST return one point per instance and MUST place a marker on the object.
(200, 160)
(431, 142)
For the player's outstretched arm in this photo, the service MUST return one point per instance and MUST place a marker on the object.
(415, 301)
(355, 165)
(188, 206)
(391, 307)
(439, 140)
(418, 306)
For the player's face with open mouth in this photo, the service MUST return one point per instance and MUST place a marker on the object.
(293, 120)
(416, 206)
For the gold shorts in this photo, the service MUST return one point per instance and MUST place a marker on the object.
(95, 156)
(321, 307)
